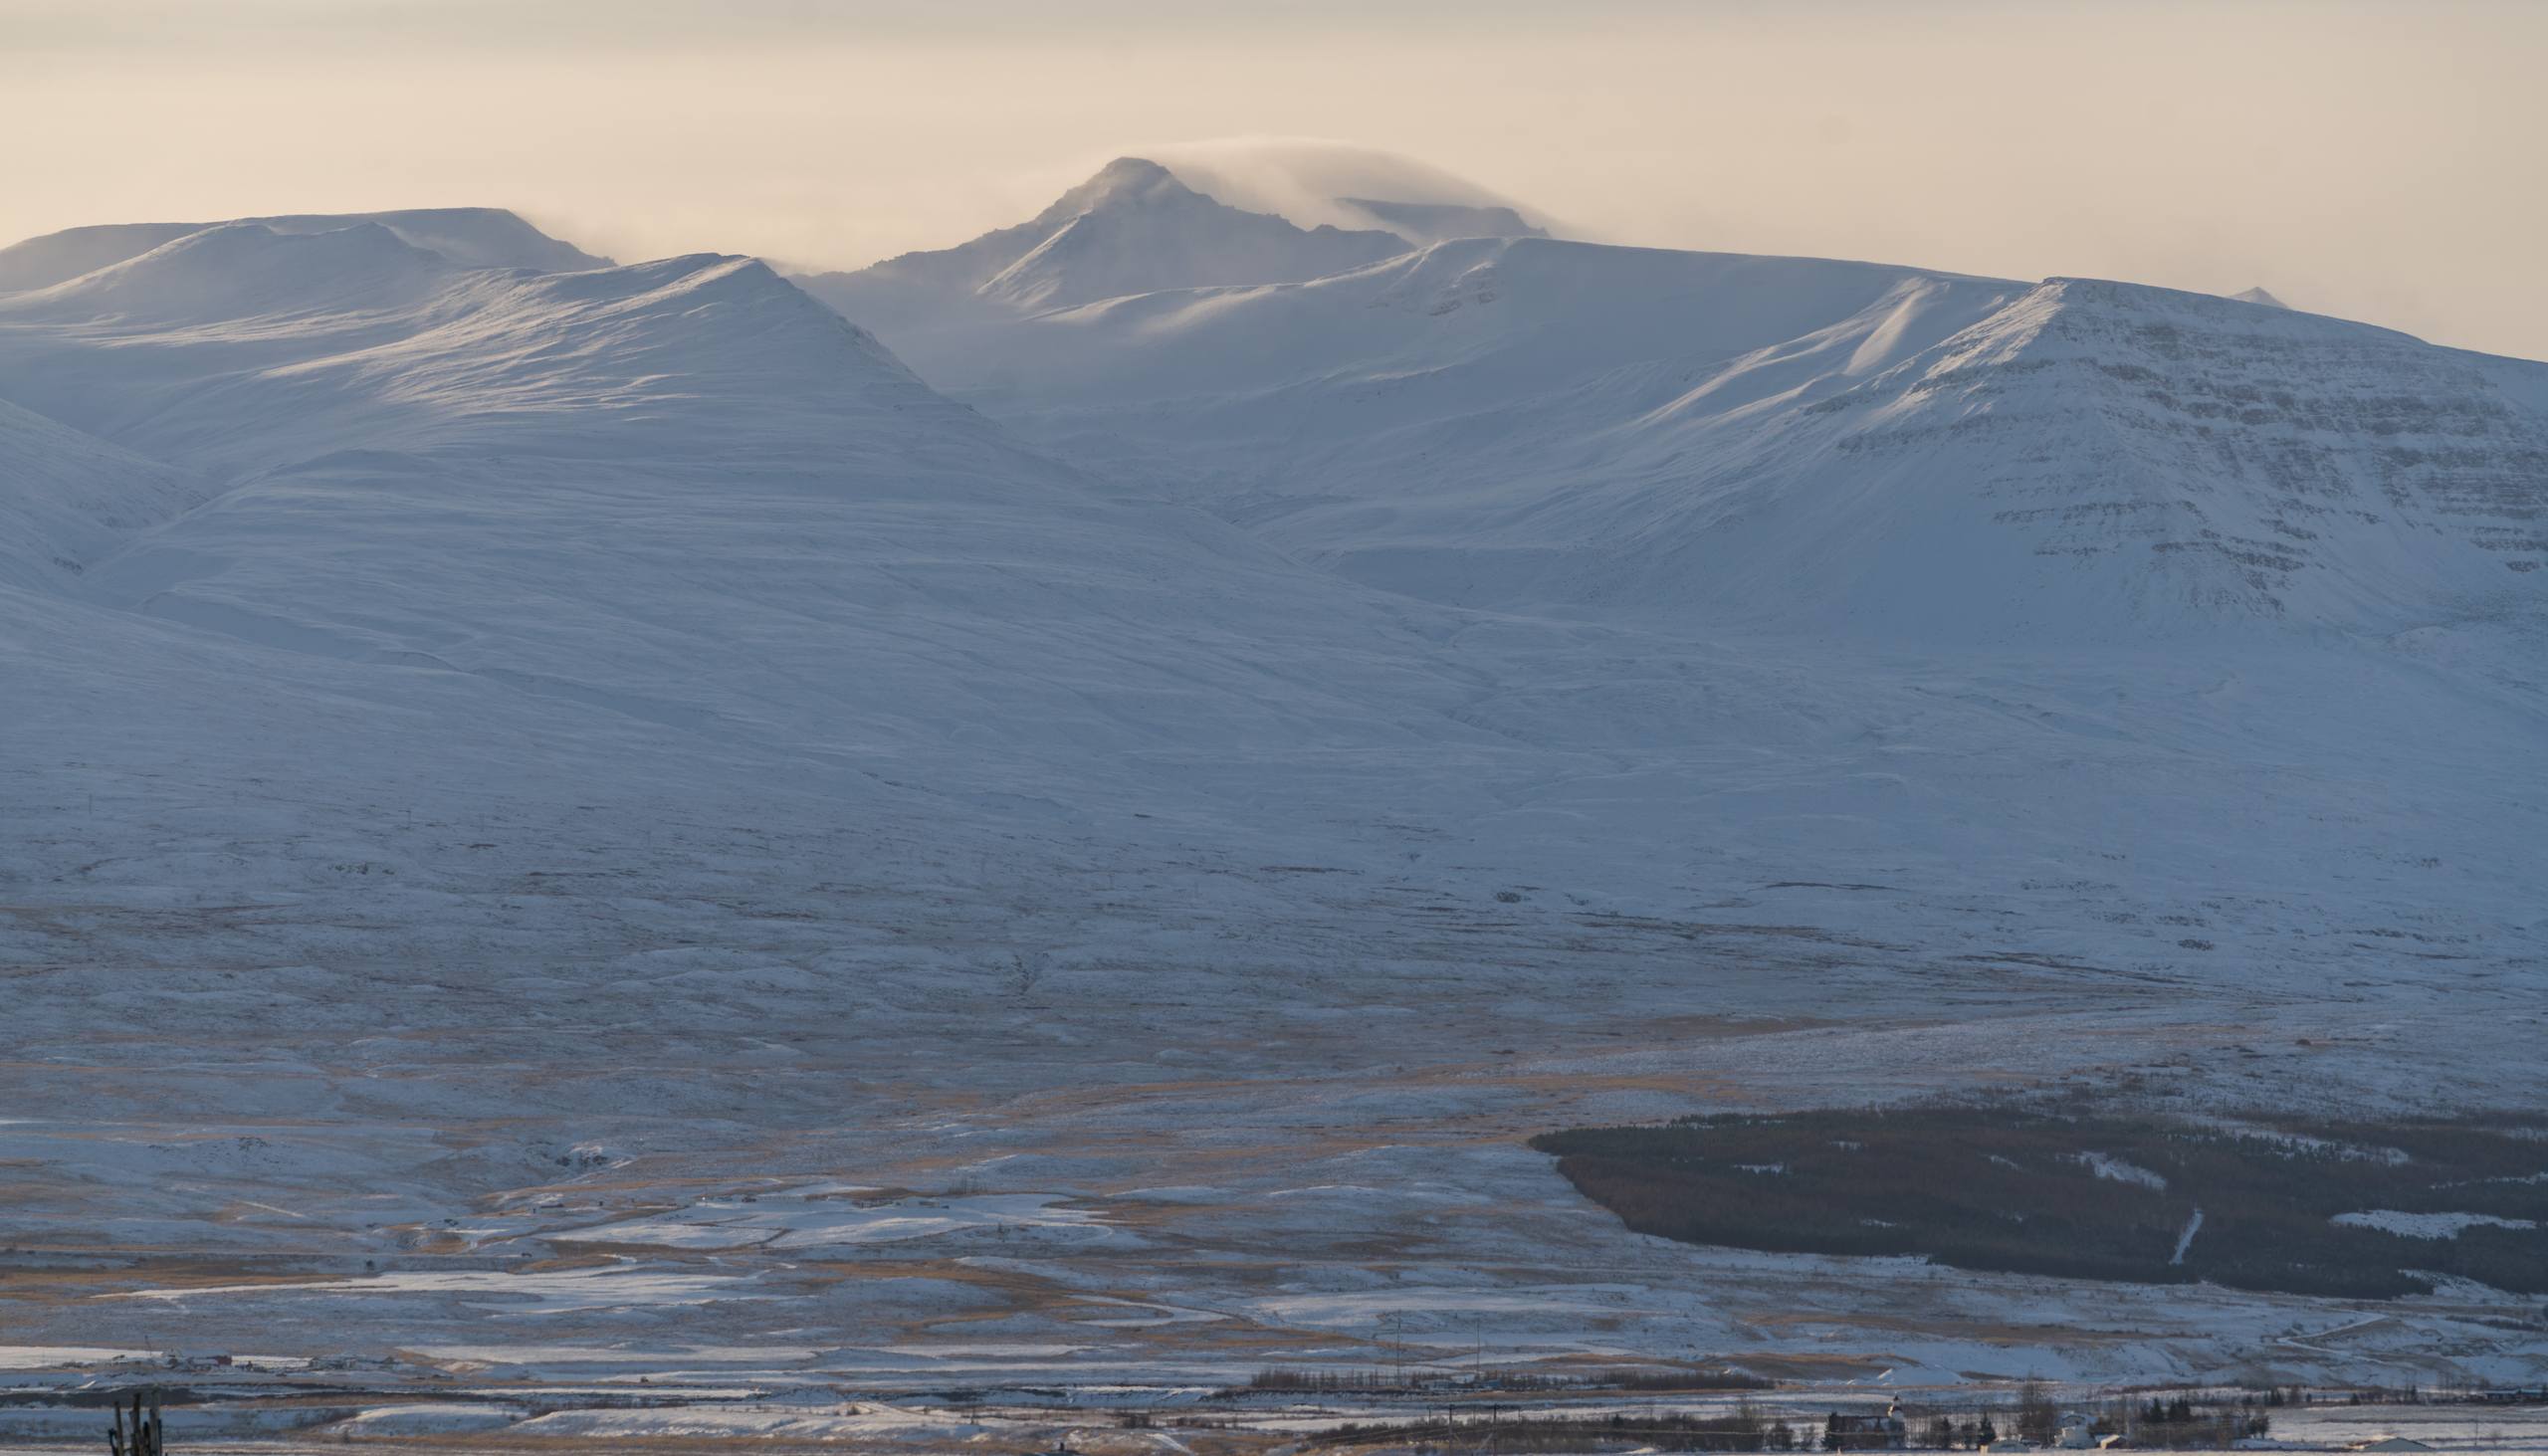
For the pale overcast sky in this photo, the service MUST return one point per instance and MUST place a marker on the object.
(2376, 160)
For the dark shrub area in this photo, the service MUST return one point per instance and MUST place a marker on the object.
(2086, 1195)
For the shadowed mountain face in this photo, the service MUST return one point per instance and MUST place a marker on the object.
(1515, 422)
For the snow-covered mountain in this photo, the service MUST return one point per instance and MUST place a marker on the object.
(503, 762)
(1137, 226)
(658, 447)
(1654, 435)
(1131, 227)
(471, 237)
(2110, 458)
(245, 349)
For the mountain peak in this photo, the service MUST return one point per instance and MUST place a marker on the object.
(1126, 182)
(1313, 182)
(1133, 227)
(1128, 173)
(1181, 216)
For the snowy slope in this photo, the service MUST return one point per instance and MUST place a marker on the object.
(67, 499)
(2107, 458)
(471, 237)
(1478, 322)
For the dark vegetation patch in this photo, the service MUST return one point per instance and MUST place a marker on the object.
(2087, 1194)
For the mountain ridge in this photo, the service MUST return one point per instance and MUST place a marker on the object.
(1546, 424)
(354, 340)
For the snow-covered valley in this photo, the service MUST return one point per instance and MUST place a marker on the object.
(575, 825)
